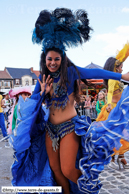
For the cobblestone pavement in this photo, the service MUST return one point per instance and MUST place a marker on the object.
(114, 181)
(6, 160)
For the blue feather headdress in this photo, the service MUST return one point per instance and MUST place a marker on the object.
(61, 28)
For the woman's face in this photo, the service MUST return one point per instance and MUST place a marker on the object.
(25, 95)
(53, 61)
(100, 96)
(120, 68)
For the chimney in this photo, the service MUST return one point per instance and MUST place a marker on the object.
(31, 69)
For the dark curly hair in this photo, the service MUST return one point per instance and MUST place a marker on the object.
(65, 62)
(109, 65)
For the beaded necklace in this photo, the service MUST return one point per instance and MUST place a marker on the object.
(60, 95)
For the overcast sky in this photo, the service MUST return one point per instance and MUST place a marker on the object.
(109, 19)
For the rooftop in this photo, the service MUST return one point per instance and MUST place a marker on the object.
(17, 73)
(93, 66)
(4, 75)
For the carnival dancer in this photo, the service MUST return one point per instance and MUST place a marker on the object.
(64, 150)
(115, 89)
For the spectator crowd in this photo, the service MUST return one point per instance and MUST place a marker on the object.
(91, 106)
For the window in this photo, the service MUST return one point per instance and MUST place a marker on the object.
(5, 83)
(26, 82)
(2, 83)
(35, 81)
(17, 81)
(8, 83)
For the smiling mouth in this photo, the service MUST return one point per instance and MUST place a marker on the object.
(53, 67)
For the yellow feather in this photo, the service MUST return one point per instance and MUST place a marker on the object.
(124, 53)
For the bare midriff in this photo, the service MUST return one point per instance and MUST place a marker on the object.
(58, 116)
(116, 96)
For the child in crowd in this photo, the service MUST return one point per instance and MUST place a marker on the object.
(101, 102)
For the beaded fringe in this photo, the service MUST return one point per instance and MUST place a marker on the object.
(60, 133)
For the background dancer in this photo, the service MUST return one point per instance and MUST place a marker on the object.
(115, 89)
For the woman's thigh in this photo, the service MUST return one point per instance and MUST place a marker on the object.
(69, 146)
(53, 156)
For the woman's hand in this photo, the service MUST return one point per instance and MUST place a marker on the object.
(125, 76)
(109, 108)
(46, 85)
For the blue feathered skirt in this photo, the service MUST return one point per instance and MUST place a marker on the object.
(31, 165)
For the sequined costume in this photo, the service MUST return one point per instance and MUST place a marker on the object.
(31, 165)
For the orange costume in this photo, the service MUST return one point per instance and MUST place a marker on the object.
(113, 86)
(115, 89)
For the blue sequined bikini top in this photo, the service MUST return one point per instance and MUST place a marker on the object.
(59, 97)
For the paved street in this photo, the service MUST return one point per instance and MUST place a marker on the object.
(114, 181)
(6, 160)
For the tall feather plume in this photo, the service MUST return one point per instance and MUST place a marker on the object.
(61, 28)
(123, 54)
